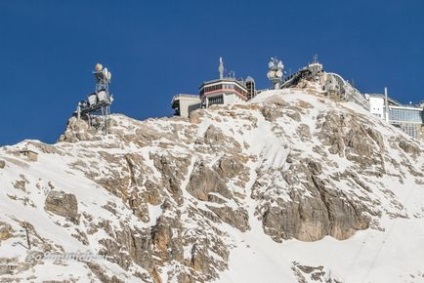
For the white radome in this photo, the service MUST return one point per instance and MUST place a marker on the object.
(280, 65)
(98, 67)
(271, 74)
(279, 74)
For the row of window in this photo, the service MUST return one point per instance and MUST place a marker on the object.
(222, 86)
(216, 100)
(411, 130)
(406, 115)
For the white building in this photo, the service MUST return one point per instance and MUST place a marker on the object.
(225, 90)
(377, 106)
(409, 118)
(183, 104)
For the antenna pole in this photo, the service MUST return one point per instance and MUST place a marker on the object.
(387, 105)
(79, 111)
(221, 68)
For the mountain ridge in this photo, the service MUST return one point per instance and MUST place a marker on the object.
(219, 196)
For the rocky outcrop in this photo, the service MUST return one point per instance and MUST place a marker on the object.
(316, 207)
(204, 181)
(63, 204)
(5, 231)
(77, 130)
(408, 147)
(236, 218)
(217, 141)
(348, 135)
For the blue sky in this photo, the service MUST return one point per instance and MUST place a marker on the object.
(156, 49)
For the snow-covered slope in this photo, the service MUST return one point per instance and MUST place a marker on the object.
(291, 187)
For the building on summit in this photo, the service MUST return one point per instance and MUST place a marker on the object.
(408, 118)
(228, 90)
(225, 90)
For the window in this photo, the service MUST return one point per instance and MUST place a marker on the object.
(216, 100)
(406, 115)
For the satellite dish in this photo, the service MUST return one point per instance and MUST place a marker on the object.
(279, 74)
(280, 65)
(92, 99)
(102, 96)
(98, 67)
(271, 74)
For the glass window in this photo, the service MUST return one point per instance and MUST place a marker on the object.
(406, 115)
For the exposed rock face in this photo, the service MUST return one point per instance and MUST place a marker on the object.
(326, 210)
(63, 204)
(2, 164)
(77, 130)
(204, 181)
(5, 231)
(236, 218)
(409, 147)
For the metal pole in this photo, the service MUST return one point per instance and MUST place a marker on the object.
(386, 105)
(79, 110)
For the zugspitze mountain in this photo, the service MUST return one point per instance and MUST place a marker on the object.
(293, 185)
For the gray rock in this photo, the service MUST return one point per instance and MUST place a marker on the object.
(325, 211)
(237, 218)
(63, 204)
(5, 231)
(408, 147)
(204, 181)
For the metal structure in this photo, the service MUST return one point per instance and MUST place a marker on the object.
(251, 87)
(315, 68)
(221, 68)
(294, 78)
(349, 93)
(275, 72)
(98, 103)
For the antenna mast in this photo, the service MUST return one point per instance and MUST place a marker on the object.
(221, 68)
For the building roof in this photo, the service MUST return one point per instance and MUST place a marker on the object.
(230, 80)
(391, 100)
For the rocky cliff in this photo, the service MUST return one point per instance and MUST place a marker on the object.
(190, 200)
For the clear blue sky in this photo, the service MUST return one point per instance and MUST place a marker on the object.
(156, 49)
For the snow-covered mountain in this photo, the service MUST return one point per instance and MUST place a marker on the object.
(290, 187)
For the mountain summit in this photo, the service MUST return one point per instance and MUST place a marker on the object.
(289, 187)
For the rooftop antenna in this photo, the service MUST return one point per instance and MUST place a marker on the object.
(221, 68)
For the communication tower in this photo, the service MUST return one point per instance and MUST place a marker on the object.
(98, 103)
(275, 72)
